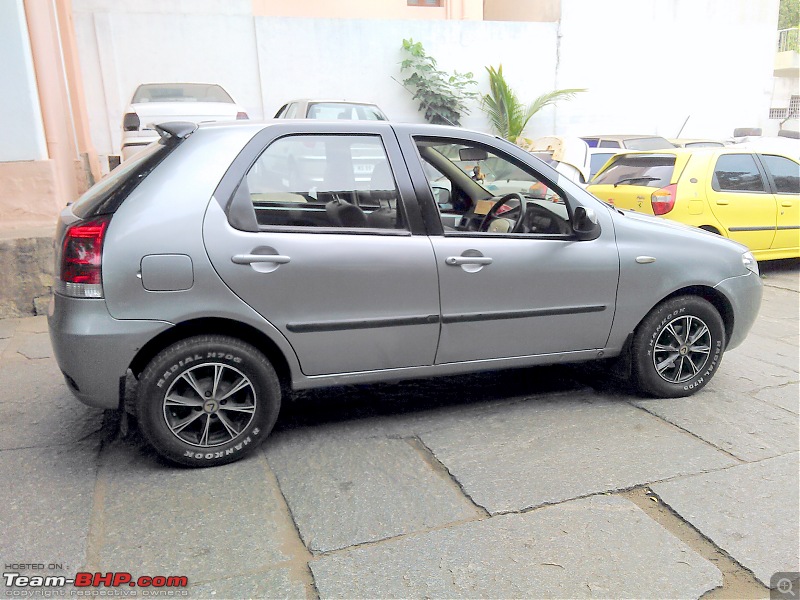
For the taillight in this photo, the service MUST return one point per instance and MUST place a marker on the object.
(130, 122)
(80, 264)
(663, 200)
(241, 115)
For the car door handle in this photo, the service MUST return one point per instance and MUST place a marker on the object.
(455, 261)
(722, 202)
(249, 259)
(786, 203)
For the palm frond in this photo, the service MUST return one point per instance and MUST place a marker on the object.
(548, 99)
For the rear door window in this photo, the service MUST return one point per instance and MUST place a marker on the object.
(325, 181)
(649, 171)
(737, 173)
(785, 173)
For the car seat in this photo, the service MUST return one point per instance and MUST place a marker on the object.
(343, 214)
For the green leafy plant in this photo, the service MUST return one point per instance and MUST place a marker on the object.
(508, 115)
(441, 96)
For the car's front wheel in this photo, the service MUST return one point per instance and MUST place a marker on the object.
(678, 347)
(207, 400)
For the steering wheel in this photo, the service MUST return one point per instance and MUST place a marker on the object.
(518, 219)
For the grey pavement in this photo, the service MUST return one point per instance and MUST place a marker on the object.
(546, 482)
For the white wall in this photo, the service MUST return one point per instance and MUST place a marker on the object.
(648, 64)
(21, 129)
(119, 50)
(357, 59)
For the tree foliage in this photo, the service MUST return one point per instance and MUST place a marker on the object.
(508, 115)
(442, 97)
(788, 14)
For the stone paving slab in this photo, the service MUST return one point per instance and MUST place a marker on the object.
(205, 524)
(532, 454)
(750, 511)
(35, 346)
(344, 490)
(37, 409)
(743, 373)
(46, 504)
(747, 428)
(786, 396)
(275, 583)
(599, 547)
(784, 329)
(776, 352)
(32, 325)
(8, 327)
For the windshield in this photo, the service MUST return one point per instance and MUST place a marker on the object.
(648, 143)
(644, 170)
(344, 110)
(180, 92)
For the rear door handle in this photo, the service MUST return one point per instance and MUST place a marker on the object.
(786, 203)
(249, 259)
(722, 202)
(455, 261)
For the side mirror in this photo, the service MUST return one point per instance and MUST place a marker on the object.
(442, 197)
(585, 224)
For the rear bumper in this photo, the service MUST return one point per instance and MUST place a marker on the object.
(744, 293)
(94, 350)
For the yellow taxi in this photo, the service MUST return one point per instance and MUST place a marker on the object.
(751, 197)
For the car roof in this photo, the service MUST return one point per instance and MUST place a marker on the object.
(344, 126)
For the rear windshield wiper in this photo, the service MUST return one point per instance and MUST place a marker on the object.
(640, 178)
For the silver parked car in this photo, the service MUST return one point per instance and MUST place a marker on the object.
(230, 262)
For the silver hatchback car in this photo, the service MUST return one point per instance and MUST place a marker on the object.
(229, 263)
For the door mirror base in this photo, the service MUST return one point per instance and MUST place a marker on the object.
(585, 224)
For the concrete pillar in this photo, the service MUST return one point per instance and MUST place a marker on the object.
(49, 68)
(74, 78)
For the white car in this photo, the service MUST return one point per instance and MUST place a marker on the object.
(156, 103)
(571, 156)
(327, 110)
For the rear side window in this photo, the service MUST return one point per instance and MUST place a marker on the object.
(737, 173)
(608, 144)
(785, 173)
(106, 196)
(325, 181)
(650, 171)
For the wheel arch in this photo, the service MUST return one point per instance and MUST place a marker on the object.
(716, 298)
(710, 229)
(215, 325)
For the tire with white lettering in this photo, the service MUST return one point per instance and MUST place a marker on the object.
(678, 347)
(207, 400)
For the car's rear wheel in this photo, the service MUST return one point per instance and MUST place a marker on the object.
(207, 400)
(678, 347)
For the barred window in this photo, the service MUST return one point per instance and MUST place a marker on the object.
(794, 107)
